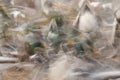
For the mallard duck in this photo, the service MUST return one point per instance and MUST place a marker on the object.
(87, 25)
(32, 42)
(82, 43)
(28, 46)
(56, 34)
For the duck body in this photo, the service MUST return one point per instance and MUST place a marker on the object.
(88, 26)
(88, 22)
(54, 38)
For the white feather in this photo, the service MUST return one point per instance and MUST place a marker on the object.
(88, 22)
(17, 13)
(8, 59)
(33, 56)
(52, 35)
(12, 2)
(107, 5)
(113, 32)
(105, 75)
(95, 4)
(14, 53)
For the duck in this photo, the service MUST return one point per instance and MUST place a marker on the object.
(86, 20)
(87, 25)
(29, 45)
(82, 43)
(32, 42)
(56, 34)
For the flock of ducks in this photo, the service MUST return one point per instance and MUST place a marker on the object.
(85, 31)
